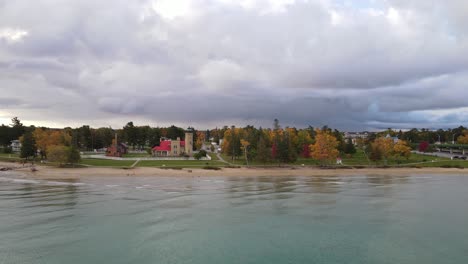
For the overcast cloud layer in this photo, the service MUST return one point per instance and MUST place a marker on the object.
(353, 65)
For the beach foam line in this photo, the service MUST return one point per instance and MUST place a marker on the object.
(4, 179)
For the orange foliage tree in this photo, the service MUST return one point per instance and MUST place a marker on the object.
(325, 147)
(463, 139)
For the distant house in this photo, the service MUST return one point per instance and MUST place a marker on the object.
(15, 145)
(356, 135)
(395, 139)
(117, 150)
(174, 148)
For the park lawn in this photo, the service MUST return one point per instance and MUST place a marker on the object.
(359, 159)
(107, 163)
(179, 163)
(213, 156)
(136, 155)
(9, 155)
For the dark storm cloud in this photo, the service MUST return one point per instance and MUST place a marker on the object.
(206, 63)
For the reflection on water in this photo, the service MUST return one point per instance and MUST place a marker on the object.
(328, 219)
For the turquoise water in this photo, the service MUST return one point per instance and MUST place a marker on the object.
(349, 219)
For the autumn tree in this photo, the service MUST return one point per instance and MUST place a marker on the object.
(463, 139)
(245, 145)
(375, 153)
(423, 146)
(58, 154)
(325, 147)
(401, 149)
(200, 139)
(45, 138)
(303, 141)
(383, 145)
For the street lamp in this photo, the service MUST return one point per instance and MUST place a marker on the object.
(453, 138)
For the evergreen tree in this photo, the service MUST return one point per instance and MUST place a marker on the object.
(263, 153)
(28, 146)
(73, 155)
(349, 147)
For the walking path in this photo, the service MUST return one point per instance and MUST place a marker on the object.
(135, 163)
(221, 158)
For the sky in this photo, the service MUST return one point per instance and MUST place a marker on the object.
(349, 64)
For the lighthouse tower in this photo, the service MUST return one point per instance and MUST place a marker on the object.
(189, 142)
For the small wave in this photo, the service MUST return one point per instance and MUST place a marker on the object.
(4, 179)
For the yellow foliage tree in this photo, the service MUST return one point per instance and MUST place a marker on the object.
(385, 145)
(47, 138)
(463, 139)
(401, 149)
(325, 147)
(244, 145)
(200, 139)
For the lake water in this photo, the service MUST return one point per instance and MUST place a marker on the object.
(349, 219)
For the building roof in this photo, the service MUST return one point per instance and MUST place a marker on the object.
(165, 145)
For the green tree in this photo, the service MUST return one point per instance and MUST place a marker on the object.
(349, 147)
(17, 128)
(202, 153)
(58, 153)
(28, 146)
(131, 134)
(263, 152)
(73, 155)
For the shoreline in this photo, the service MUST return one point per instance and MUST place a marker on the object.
(45, 172)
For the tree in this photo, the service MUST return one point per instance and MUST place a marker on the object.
(349, 147)
(385, 145)
(17, 128)
(131, 134)
(245, 144)
(325, 147)
(200, 140)
(263, 153)
(45, 138)
(401, 149)
(463, 139)
(376, 153)
(58, 153)
(28, 146)
(423, 146)
(202, 153)
(73, 155)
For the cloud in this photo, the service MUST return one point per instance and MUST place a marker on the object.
(349, 64)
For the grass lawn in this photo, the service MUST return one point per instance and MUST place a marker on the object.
(358, 159)
(107, 163)
(179, 163)
(136, 155)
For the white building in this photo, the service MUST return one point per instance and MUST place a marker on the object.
(15, 145)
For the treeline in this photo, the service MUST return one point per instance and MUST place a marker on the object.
(43, 141)
(277, 144)
(283, 145)
(286, 145)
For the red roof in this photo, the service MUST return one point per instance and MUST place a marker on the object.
(165, 145)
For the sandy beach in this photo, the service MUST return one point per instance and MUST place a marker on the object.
(53, 172)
